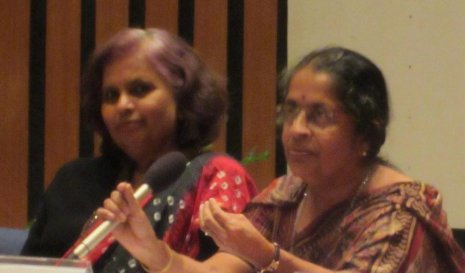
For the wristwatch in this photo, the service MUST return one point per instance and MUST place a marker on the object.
(273, 266)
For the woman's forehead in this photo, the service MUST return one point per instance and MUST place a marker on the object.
(307, 85)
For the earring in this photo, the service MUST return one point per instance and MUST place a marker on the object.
(364, 153)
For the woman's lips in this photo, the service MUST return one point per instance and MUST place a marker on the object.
(299, 153)
(129, 125)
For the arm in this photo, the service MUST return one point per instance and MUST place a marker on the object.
(136, 235)
(235, 234)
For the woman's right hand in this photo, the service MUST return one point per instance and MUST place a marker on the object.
(134, 233)
(235, 234)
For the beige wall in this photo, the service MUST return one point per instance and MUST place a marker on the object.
(420, 46)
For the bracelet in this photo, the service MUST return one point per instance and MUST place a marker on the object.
(273, 266)
(166, 267)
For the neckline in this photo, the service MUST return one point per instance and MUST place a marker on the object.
(306, 194)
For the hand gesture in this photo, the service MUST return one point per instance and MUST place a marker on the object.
(134, 232)
(235, 234)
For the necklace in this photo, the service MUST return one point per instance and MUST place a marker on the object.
(354, 199)
(359, 190)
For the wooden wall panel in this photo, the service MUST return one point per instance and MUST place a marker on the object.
(14, 75)
(210, 40)
(259, 85)
(62, 84)
(110, 17)
(254, 51)
(162, 14)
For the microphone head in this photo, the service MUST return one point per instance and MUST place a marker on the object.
(165, 170)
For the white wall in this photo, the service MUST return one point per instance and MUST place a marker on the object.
(420, 46)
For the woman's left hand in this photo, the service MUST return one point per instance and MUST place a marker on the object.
(235, 234)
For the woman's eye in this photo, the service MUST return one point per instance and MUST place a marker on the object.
(140, 89)
(110, 95)
(290, 109)
(320, 116)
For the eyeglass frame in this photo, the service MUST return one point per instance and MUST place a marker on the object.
(311, 122)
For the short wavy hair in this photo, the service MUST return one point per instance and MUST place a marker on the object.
(360, 88)
(199, 93)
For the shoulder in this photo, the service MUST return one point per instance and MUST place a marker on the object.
(220, 164)
(392, 187)
(413, 199)
(406, 193)
(82, 171)
(393, 218)
(223, 161)
(225, 179)
(87, 165)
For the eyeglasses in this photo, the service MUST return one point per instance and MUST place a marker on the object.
(317, 116)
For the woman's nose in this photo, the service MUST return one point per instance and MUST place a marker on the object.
(125, 101)
(299, 124)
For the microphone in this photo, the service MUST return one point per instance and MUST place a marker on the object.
(160, 174)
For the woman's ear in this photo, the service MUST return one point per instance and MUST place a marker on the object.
(364, 147)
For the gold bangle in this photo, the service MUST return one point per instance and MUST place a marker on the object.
(146, 269)
(166, 267)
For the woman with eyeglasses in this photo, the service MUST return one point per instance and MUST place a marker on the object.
(341, 209)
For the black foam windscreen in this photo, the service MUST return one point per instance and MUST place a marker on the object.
(165, 170)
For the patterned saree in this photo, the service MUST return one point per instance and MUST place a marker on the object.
(400, 228)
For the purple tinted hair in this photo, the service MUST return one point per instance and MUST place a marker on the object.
(200, 94)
